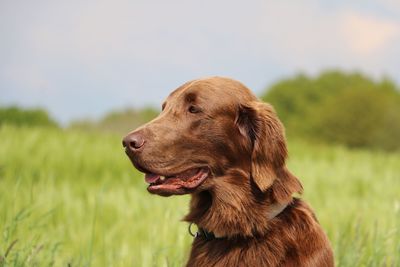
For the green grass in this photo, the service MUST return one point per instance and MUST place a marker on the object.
(73, 199)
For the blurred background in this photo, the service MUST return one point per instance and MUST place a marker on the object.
(75, 76)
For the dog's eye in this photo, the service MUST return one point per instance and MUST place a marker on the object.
(193, 109)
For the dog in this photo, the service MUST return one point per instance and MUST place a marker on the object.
(216, 141)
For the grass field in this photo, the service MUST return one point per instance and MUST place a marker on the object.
(73, 199)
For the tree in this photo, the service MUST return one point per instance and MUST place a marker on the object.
(336, 107)
(25, 117)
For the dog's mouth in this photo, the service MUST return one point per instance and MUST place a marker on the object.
(177, 184)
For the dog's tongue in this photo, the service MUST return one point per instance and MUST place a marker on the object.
(151, 177)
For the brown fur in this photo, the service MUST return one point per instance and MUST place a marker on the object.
(242, 142)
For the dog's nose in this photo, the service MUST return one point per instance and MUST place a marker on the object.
(133, 141)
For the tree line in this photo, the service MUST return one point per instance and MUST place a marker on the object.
(337, 107)
(334, 107)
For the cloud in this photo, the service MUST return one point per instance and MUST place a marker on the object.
(308, 36)
(366, 35)
(393, 5)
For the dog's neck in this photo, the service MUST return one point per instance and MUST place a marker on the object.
(276, 209)
(234, 211)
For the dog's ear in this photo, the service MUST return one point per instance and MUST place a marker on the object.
(258, 122)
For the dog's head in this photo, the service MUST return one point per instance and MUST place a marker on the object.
(209, 130)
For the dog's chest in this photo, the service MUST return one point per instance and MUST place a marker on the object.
(227, 253)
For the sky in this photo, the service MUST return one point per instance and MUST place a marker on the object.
(81, 59)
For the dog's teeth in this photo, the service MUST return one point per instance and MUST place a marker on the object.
(162, 178)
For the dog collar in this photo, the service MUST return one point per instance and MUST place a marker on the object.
(275, 210)
(202, 233)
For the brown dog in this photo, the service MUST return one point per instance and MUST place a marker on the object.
(215, 140)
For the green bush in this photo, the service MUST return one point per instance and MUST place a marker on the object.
(335, 107)
(25, 117)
